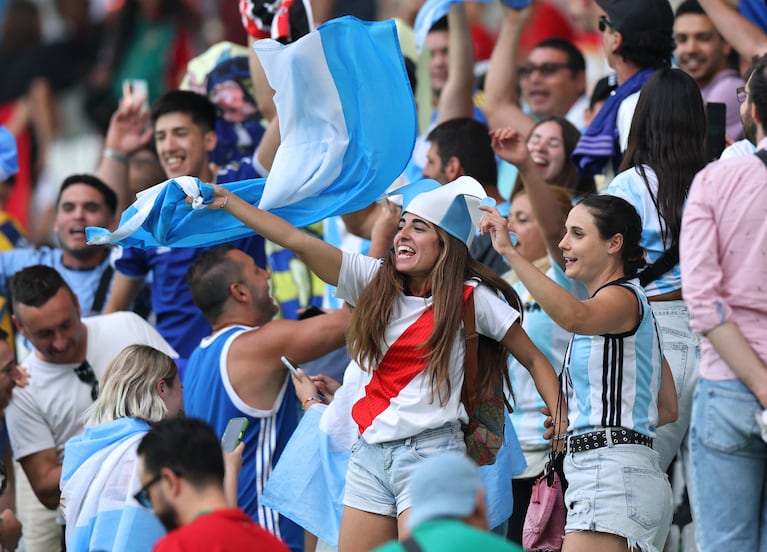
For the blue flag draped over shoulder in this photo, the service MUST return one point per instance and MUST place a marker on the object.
(347, 124)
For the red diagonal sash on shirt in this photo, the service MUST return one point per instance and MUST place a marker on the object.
(403, 361)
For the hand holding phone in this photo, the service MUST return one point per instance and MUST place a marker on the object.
(291, 367)
(235, 427)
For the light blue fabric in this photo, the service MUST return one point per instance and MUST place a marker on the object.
(83, 282)
(430, 13)
(98, 480)
(347, 124)
(9, 160)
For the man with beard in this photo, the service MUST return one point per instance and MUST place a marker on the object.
(702, 53)
(237, 371)
(84, 200)
(181, 469)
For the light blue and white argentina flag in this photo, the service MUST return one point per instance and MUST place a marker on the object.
(347, 124)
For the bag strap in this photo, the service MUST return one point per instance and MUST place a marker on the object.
(101, 291)
(762, 154)
(663, 264)
(470, 359)
(411, 545)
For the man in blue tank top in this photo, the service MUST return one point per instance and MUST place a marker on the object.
(236, 371)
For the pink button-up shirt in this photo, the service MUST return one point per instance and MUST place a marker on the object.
(723, 255)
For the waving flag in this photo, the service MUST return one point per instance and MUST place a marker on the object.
(347, 124)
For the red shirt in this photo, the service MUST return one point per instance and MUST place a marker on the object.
(227, 530)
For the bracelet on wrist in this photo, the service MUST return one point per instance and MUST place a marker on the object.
(226, 199)
(109, 153)
(309, 400)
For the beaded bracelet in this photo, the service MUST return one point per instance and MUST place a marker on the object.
(317, 399)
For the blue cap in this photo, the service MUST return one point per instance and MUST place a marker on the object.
(444, 486)
(9, 159)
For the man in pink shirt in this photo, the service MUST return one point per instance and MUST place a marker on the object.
(723, 252)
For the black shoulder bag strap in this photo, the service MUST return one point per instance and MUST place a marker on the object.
(665, 262)
(101, 291)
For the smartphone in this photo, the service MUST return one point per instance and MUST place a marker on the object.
(291, 367)
(716, 117)
(138, 88)
(235, 427)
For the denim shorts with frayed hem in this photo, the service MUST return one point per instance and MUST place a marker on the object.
(378, 474)
(619, 490)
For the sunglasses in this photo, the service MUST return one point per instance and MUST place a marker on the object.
(142, 497)
(604, 23)
(86, 375)
(545, 69)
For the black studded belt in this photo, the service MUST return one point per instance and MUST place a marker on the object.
(604, 437)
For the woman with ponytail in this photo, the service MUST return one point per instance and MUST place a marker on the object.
(618, 387)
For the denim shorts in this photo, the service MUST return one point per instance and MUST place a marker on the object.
(620, 490)
(378, 474)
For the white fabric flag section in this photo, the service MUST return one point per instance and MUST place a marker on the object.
(348, 125)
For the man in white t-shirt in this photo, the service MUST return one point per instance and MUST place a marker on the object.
(70, 356)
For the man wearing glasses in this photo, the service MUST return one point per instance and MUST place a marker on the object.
(181, 469)
(552, 80)
(70, 356)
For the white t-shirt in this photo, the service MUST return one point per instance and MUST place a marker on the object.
(409, 407)
(49, 410)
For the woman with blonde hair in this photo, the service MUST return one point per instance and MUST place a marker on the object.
(99, 477)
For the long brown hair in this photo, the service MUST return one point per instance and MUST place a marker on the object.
(453, 267)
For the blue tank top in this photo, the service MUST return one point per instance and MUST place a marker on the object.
(208, 395)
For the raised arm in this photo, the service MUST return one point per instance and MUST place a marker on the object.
(456, 98)
(501, 100)
(322, 258)
(748, 39)
(128, 131)
(613, 310)
(511, 146)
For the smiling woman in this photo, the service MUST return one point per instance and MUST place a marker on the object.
(618, 386)
(406, 336)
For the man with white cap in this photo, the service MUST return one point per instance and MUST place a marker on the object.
(448, 509)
